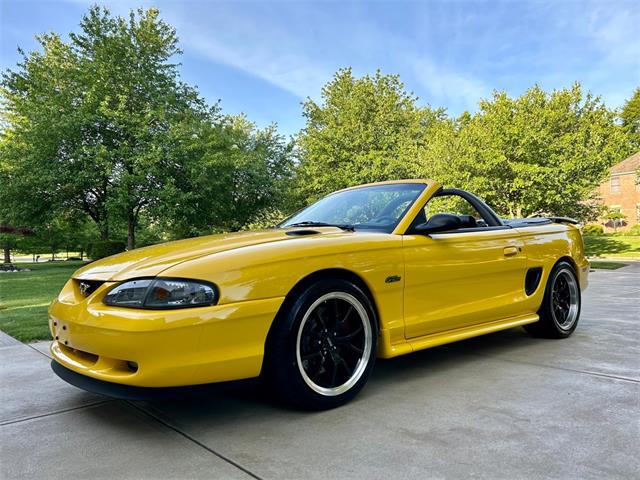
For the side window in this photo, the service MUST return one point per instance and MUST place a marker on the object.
(454, 205)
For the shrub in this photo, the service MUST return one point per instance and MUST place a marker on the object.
(635, 230)
(104, 248)
(593, 230)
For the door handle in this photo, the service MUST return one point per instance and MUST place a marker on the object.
(510, 251)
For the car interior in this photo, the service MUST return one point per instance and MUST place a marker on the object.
(452, 204)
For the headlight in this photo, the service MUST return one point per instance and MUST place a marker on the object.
(162, 293)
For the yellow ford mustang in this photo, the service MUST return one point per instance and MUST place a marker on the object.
(376, 270)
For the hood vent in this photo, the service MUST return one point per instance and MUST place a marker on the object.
(302, 233)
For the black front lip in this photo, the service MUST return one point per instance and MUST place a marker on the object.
(130, 392)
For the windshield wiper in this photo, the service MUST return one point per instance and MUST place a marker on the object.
(343, 226)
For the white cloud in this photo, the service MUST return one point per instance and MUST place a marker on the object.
(611, 30)
(289, 70)
(615, 31)
(448, 87)
(450, 56)
(299, 51)
(265, 46)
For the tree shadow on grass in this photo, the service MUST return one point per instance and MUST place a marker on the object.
(603, 246)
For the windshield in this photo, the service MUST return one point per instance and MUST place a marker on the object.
(378, 207)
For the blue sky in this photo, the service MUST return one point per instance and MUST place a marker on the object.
(263, 58)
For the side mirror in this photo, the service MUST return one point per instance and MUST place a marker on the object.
(440, 222)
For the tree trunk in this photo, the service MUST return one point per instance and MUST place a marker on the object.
(7, 254)
(81, 254)
(104, 231)
(131, 231)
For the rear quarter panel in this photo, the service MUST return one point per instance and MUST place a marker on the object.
(544, 245)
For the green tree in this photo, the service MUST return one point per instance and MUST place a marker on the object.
(57, 234)
(541, 153)
(31, 245)
(364, 130)
(631, 120)
(51, 236)
(77, 233)
(10, 238)
(232, 172)
(89, 119)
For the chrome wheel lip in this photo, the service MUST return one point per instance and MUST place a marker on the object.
(571, 317)
(364, 359)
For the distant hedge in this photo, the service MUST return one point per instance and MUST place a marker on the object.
(104, 248)
(593, 230)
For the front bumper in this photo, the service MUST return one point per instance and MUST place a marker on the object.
(159, 348)
(131, 392)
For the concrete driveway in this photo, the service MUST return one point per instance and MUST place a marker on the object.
(499, 406)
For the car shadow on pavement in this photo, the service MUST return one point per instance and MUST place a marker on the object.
(452, 356)
(252, 399)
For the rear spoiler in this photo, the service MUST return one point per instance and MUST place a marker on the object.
(536, 221)
(572, 221)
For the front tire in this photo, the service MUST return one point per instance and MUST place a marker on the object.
(560, 309)
(322, 347)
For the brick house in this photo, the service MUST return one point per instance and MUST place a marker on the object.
(621, 192)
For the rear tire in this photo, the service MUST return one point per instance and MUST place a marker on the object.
(560, 309)
(322, 347)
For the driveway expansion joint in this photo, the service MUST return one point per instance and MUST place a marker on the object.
(542, 365)
(51, 414)
(35, 349)
(193, 440)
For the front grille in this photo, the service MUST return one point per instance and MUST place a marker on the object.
(87, 287)
(90, 360)
(80, 355)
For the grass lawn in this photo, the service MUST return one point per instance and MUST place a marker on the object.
(612, 246)
(607, 265)
(25, 298)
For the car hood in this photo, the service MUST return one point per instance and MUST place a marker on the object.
(151, 261)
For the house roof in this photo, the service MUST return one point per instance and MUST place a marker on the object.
(627, 165)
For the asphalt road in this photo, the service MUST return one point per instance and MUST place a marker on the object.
(500, 406)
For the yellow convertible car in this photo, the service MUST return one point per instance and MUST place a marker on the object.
(377, 270)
